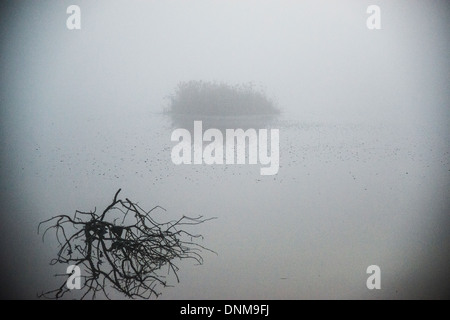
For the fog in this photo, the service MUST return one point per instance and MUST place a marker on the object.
(364, 141)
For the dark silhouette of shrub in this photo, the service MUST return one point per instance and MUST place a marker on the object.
(123, 247)
(219, 99)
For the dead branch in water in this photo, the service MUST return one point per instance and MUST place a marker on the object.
(122, 247)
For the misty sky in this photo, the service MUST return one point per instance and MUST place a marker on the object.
(305, 53)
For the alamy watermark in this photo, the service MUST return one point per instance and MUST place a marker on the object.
(374, 280)
(73, 22)
(374, 20)
(74, 280)
(259, 144)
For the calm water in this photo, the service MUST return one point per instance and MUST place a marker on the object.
(348, 194)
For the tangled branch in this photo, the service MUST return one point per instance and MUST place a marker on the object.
(123, 247)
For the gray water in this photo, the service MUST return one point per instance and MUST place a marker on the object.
(347, 195)
(364, 145)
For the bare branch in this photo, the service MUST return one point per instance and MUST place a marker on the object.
(127, 256)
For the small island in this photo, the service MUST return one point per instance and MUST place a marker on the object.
(202, 98)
